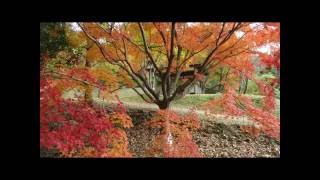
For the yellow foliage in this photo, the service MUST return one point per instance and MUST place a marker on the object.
(121, 119)
(76, 39)
(94, 53)
(87, 152)
(110, 80)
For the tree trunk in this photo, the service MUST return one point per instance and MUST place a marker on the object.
(220, 80)
(164, 104)
(245, 86)
(88, 88)
(175, 82)
(88, 94)
(99, 91)
(240, 83)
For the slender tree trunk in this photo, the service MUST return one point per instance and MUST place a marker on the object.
(168, 86)
(245, 86)
(175, 82)
(220, 80)
(88, 88)
(88, 94)
(99, 91)
(240, 83)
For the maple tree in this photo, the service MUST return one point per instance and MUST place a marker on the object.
(170, 48)
(167, 46)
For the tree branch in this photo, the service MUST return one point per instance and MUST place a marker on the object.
(141, 95)
(73, 78)
(191, 55)
(172, 39)
(147, 49)
(165, 84)
(181, 88)
(98, 44)
(163, 39)
(206, 61)
(135, 76)
(218, 38)
(234, 43)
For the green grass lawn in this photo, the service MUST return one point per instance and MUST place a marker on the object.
(196, 100)
(189, 100)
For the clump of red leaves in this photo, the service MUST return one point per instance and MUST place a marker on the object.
(235, 104)
(272, 60)
(175, 139)
(76, 129)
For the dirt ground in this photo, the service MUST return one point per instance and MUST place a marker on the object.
(215, 140)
